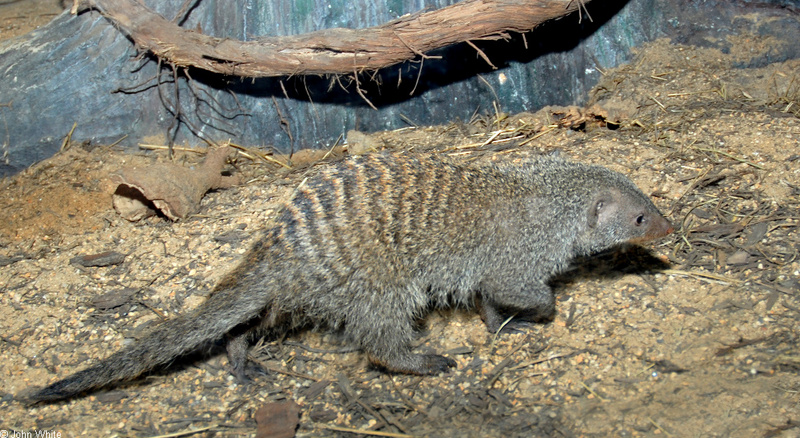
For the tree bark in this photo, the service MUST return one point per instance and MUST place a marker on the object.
(337, 51)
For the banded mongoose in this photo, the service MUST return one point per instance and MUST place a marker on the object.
(370, 244)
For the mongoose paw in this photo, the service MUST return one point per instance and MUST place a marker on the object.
(433, 364)
(247, 373)
(500, 324)
(521, 322)
(513, 327)
(241, 375)
(419, 364)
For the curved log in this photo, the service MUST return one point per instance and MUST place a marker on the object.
(337, 51)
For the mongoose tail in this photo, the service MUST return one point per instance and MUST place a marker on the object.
(224, 310)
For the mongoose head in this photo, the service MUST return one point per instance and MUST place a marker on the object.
(617, 213)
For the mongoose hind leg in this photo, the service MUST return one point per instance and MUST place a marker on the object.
(388, 346)
(384, 329)
(237, 355)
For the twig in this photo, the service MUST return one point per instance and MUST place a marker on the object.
(548, 129)
(118, 141)
(259, 154)
(481, 54)
(179, 148)
(419, 75)
(731, 156)
(367, 432)
(546, 359)
(244, 151)
(279, 370)
(283, 122)
(361, 93)
(592, 392)
(68, 139)
(497, 371)
(659, 103)
(582, 7)
(659, 427)
(186, 432)
(704, 275)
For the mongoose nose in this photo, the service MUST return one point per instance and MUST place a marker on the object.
(657, 228)
(663, 228)
(668, 228)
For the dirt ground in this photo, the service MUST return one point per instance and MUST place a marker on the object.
(18, 17)
(694, 335)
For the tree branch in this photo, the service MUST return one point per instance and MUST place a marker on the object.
(337, 51)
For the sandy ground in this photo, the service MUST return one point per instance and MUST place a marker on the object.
(18, 17)
(693, 335)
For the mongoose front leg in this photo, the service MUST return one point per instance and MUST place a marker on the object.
(531, 304)
(492, 317)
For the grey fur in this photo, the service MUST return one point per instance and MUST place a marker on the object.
(370, 244)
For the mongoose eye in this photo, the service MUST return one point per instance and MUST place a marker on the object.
(639, 220)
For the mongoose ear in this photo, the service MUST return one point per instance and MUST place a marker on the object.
(600, 209)
(594, 211)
